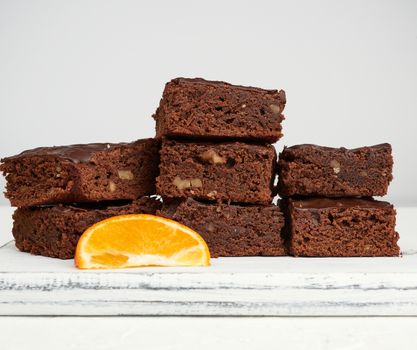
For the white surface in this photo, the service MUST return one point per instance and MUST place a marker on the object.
(341, 333)
(94, 70)
(33, 285)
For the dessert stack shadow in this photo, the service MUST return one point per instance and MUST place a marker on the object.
(328, 201)
(218, 164)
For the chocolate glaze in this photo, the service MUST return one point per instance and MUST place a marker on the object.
(80, 153)
(103, 205)
(74, 153)
(323, 203)
(325, 148)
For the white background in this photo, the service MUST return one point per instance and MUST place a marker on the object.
(90, 71)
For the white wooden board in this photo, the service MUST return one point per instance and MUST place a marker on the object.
(33, 285)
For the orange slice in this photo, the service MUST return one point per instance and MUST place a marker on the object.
(140, 240)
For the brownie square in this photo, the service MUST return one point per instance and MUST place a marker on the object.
(215, 109)
(82, 173)
(310, 170)
(54, 230)
(232, 230)
(229, 171)
(340, 227)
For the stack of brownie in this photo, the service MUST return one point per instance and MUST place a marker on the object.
(214, 165)
(217, 166)
(61, 191)
(328, 201)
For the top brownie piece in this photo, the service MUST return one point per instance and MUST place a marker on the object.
(310, 170)
(215, 109)
(82, 173)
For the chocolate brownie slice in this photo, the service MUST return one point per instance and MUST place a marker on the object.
(54, 230)
(82, 173)
(341, 227)
(230, 171)
(232, 230)
(201, 108)
(311, 170)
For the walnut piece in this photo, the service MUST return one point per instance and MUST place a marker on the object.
(125, 174)
(210, 227)
(275, 109)
(182, 184)
(212, 157)
(196, 183)
(335, 165)
(363, 173)
(212, 194)
(58, 170)
(112, 186)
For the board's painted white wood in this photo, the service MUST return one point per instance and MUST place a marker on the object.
(32, 285)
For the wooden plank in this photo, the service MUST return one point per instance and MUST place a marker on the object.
(32, 285)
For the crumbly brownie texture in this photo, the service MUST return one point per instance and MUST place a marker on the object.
(341, 227)
(231, 171)
(311, 170)
(201, 108)
(232, 230)
(54, 230)
(82, 173)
